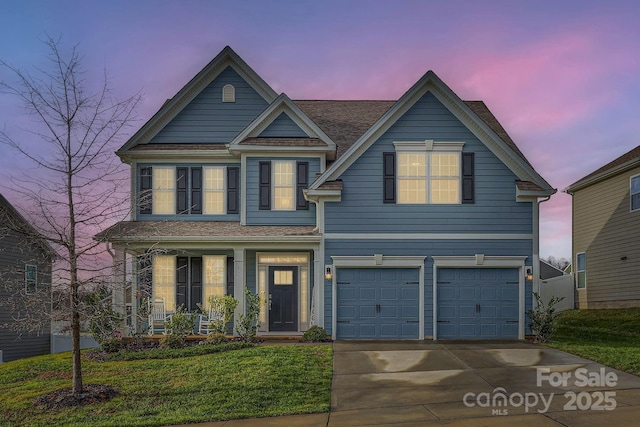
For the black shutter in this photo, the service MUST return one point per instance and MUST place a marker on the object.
(145, 198)
(181, 281)
(233, 190)
(468, 193)
(265, 185)
(302, 180)
(389, 177)
(196, 190)
(230, 276)
(196, 284)
(182, 201)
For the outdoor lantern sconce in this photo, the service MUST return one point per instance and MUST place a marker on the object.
(528, 274)
(328, 274)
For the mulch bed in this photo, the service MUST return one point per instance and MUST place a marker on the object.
(64, 398)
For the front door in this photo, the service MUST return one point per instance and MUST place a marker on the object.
(283, 298)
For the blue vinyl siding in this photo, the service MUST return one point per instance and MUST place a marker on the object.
(208, 120)
(362, 209)
(187, 217)
(283, 126)
(427, 248)
(255, 216)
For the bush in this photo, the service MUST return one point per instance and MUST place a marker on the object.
(181, 323)
(222, 308)
(544, 319)
(248, 325)
(111, 345)
(171, 341)
(215, 339)
(104, 321)
(316, 334)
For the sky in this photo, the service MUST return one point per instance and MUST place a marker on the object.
(561, 76)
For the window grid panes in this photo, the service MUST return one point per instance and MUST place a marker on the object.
(31, 279)
(581, 269)
(428, 177)
(164, 185)
(214, 186)
(304, 294)
(214, 280)
(282, 277)
(283, 185)
(262, 291)
(164, 280)
(635, 193)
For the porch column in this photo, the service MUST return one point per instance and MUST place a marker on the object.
(134, 296)
(239, 285)
(119, 285)
(318, 279)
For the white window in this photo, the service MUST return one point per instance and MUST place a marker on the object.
(581, 270)
(214, 190)
(283, 185)
(164, 280)
(30, 279)
(635, 193)
(215, 279)
(428, 177)
(228, 93)
(164, 185)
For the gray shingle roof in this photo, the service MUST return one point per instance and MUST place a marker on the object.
(629, 157)
(211, 230)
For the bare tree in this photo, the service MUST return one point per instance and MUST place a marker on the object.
(76, 185)
(559, 263)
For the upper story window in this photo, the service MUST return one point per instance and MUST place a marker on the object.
(30, 279)
(581, 270)
(168, 190)
(428, 173)
(282, 183)
(635, 193)
(228, 93)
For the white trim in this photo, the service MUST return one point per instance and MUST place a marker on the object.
(488, 262)
(379, 261)
(631, 194)
(577, 271)
(428, 236)
(427, 145)
(178, 156)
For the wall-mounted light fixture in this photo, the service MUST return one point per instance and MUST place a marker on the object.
(528, 274)
(328, 272)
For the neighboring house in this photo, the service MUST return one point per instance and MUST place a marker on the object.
(548, 271)
(415, 218)
(606, 234)
(25, 287)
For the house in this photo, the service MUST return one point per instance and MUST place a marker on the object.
(606, 234)
(548, 271)
(413, 219)
(25, 287)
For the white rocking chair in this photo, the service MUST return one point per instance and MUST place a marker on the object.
(158, 318)
(204, 326)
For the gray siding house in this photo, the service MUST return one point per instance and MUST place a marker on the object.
(606, 234)
(408, 219)
(25, 287)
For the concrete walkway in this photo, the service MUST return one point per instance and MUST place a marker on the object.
(411, 383)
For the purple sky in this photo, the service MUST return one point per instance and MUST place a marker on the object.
(561, 76)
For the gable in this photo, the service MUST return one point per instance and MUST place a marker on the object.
(206, 119)
(283, 126)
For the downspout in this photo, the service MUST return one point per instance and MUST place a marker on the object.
(536, 243)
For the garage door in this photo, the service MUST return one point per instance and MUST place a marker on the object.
(477, 303)
(377, 303)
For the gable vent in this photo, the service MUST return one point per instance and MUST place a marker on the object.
(228, 93)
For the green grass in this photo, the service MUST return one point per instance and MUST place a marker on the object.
(251, 382)
(610, 337)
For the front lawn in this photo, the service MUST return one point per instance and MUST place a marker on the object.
(610, 337)
(252, 382)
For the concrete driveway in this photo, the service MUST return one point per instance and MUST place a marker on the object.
(476, 383)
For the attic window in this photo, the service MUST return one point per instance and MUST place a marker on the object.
(228, 93)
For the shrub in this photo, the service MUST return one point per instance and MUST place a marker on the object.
(316, 334)
(248, 325)
(222, 308)
(181, 323)
(171, 341)
(215, 339)
(543, 317)
(111, 345)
